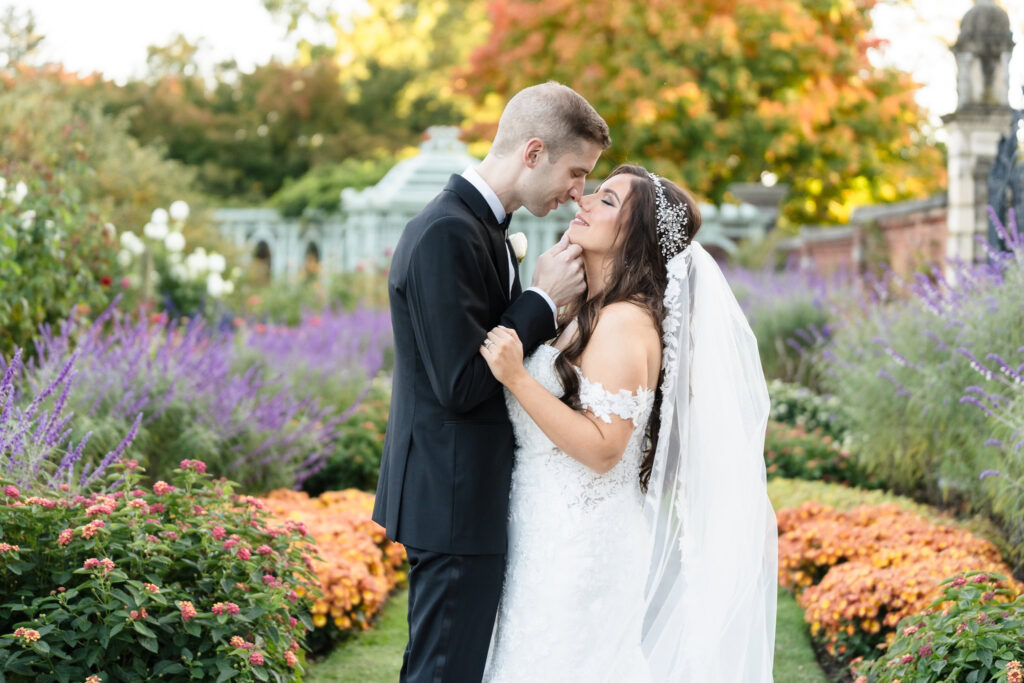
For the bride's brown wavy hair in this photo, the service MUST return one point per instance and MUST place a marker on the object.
(639, 276)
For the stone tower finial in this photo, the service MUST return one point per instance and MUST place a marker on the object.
(983, 51)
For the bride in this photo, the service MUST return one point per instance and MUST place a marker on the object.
(642, 545)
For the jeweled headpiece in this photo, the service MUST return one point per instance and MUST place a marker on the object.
(672, 222)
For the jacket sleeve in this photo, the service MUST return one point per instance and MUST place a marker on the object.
(447, 295)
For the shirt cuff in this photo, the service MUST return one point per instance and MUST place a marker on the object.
(551, 304)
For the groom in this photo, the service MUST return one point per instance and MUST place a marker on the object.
(447, 462)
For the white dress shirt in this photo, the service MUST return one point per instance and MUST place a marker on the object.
(491, 197)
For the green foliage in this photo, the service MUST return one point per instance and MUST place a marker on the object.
(168, 561)
(320, 189)
(896, 371)
(775, 326)
(798, 406)
(47, 119)
(246, 133)
(55, 255)
(795, 452)
(792, 493)
(355, 460)
(971, 634)
(286, 302)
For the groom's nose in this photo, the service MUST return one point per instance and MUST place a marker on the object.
(576, 191)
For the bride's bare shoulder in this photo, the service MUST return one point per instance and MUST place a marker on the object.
(626, 317)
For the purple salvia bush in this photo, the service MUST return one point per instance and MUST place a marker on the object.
(928, 375)
(790, 312)
(266, 403)
(36, 448)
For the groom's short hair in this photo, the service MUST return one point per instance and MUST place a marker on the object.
(556, 114)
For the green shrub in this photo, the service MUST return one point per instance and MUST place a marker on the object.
(186, 581)
(55, 256)
(355, 460)
(794, 452)
(971, 634)
(320, 188)
(797, 405)
(792, 493)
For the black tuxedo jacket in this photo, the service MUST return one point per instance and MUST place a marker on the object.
(447, 463)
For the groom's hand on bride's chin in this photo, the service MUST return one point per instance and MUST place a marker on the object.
(559, 272)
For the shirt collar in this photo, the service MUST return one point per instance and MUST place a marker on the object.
(484, 189)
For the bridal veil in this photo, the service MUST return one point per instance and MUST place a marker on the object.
(710, 594)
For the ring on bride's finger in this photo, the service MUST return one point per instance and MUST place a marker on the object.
(488, 343)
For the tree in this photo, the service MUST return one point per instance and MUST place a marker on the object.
(177, 58)
(415, 44)
(716, 91)
(19, 39)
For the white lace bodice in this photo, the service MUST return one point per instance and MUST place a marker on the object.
(534, 449)
(577, 549)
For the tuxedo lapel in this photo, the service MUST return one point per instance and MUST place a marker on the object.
(495, 231)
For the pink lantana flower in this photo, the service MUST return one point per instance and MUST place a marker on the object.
(187, 610)
(162, 487)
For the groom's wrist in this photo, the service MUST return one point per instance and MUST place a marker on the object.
(548, 300)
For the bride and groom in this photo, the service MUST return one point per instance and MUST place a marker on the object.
(576, 469)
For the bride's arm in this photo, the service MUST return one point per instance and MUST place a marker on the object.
(617, 356)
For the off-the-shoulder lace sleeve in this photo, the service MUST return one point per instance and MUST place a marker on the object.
(603, 403)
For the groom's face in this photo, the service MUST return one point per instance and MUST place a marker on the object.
(551, 183)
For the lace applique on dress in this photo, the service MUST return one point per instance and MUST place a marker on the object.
(603, 403)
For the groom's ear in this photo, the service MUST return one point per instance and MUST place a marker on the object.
(533, 151)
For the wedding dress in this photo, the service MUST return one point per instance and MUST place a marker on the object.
(606, 583)
(577, 554)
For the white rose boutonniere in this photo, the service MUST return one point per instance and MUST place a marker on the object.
(518, 242)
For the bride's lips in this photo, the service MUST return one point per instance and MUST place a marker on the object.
(580, 221)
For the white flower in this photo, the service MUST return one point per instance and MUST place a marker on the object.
(20, 192)
(216, 263)
(159, 217)
(131, 242)
(229, 287)
(179, 210)
(175, 257)
(196, 263)
(155, 231)
(28, 219)
(215, 285)
(519, 244)
(136, 246)
(3, 186)
(124, 258)
(109, 230)
(179, 272)
(174, 242)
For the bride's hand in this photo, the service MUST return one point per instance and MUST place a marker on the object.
(504, 354)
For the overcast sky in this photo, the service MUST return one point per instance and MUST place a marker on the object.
(111, 36)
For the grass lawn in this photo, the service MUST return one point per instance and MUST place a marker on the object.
(376, 655)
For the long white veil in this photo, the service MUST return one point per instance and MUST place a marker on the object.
(711, 591)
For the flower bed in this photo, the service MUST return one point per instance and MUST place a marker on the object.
(859, 572)
(357, 566)
(973, 632)
(185, 579)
